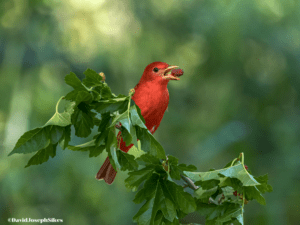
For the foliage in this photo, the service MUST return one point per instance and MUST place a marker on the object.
(92, 103)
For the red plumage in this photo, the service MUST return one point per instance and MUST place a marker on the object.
(152, 97)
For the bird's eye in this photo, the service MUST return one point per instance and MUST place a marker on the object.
(155, 69)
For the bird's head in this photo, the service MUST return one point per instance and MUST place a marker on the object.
(161, 71)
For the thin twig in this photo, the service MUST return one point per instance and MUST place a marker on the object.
(189, 182)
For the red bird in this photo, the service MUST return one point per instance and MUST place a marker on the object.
(152, 97)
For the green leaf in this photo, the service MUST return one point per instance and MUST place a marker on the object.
(158, 218)
(62, 119)
(126, 136)
(65, 139)
(136, 151)
(174, 222)
(125, 121)
(216, 213)
(206, 209)
(32, 141)
(124, 117)
(135, 178)
(240, 219)
(172, 160)
(149, 143)
(264, 187)
(253, 193)
(111, 148)
(92, 79)
(128, 132)
(208, 184)
(82, 122)
(96, 93)
(147, 213)
(72, 80)
(184, 167)
(176, 170)
(149, 159)
(165, 205)
(79, 96)
(69, 106)
(183, 200)
(144, 215)
(101, 136)
(94, 152)
(238, 171)
(230, 215)
(56, 133)
(155, 201)
(136, 117)
(138, 111)
(232, 182)
(96, 117)
(228, 191)
(42, 155)
(110, 106)
(126, 161)
(201, 193)
(88, 146)
(148, 190)
(106, 92)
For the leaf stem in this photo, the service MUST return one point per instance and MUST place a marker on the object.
(131, 92)
(233, 162)
(56, 108)
(128, 110)
(242, 156)
(97, 85)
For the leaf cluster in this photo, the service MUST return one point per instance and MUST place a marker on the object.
(91, 103)
(222, 194)
(165, 201)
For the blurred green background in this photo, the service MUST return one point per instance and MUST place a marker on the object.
(239, 93)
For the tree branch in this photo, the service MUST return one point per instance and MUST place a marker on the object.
(189, 182)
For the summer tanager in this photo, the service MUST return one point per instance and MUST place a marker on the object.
(152, 97)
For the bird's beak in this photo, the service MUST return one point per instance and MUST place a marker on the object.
(167, 75)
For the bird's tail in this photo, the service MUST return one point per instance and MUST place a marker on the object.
(106, 172)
